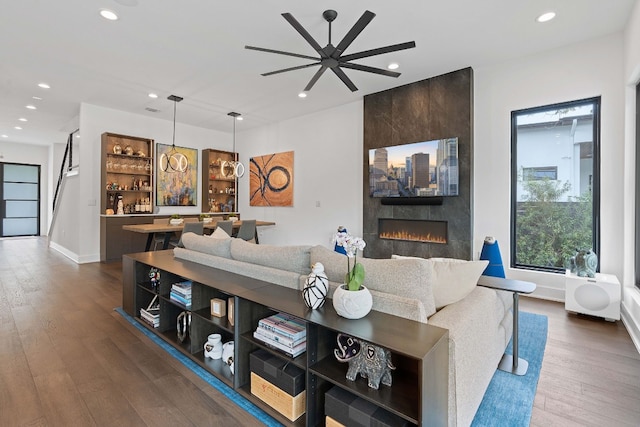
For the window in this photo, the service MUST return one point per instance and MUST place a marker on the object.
(555, 168)
(540, 173)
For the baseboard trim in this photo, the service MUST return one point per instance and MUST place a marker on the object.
(632, 325)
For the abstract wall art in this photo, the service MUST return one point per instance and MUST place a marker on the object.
(271, 180)
(177, 188)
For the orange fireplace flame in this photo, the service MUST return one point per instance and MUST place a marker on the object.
(405, 235)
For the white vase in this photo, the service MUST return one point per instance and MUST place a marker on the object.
(316, 287)
(352, 304)
(213, 346)
(175, 221)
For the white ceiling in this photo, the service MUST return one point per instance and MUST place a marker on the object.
(195, 49)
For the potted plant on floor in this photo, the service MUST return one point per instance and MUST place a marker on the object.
(352, 299)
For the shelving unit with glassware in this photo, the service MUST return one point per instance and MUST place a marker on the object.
(127, 172)
(219, 184)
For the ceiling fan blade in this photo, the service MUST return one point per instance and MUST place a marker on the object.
(315, 78)
(299, 67)
(378, 51)
(297, 55)
(368, 69)
(364, 20)
(300, 29)
(338, 72)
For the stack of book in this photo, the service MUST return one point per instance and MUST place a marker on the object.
(181, 293)
(283, 332)
(151, 314)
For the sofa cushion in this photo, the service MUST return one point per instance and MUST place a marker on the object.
(272, 275)
(205, 244)
(219, 233)
(454, 279)
(289, 258)
(407, 278)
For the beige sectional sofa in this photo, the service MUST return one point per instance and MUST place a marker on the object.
(479, 319)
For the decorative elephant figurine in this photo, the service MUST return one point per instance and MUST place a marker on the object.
(368, 360)
(584, 263)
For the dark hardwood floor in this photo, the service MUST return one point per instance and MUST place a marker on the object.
(67, 359)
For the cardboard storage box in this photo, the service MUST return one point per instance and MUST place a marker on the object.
(291, 407)
(344, 408)
(330, 422)
(278, 371)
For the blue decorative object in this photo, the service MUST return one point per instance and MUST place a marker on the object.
(584, 263)
(338, 248)
(491, 252)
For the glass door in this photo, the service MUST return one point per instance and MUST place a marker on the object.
(19, 200)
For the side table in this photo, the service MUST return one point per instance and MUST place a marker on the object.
(511, 363)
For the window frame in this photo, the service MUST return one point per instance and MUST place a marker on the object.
(595, 187)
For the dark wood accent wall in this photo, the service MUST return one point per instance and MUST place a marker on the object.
(436, 108)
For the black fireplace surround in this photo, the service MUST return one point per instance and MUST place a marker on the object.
(435, 108)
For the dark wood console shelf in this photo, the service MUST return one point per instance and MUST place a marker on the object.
(419, 391)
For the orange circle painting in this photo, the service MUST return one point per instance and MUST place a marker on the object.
(271, 180)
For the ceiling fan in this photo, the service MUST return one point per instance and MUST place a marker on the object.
(331, 57)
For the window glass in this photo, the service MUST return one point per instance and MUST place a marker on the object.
(555, 196)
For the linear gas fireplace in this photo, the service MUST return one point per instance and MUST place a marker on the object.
(413, 230)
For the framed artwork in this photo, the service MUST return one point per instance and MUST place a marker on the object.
(177, 188)
(271, 180)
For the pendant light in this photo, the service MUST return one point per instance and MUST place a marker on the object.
(233, 168)
(173, 161)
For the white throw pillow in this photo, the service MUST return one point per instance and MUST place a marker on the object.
(219, 233)
(454, 279)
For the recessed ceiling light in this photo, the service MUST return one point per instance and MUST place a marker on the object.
(240, 118)
(17, 128)
(108, 14)
(31, 107)
(546, 17)
(22, 119)
(5, 136)
(393, 66)
(302, 95)
(44, 86)
(37, 98)
(153, 95)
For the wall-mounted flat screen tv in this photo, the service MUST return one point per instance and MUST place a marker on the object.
(419, 169)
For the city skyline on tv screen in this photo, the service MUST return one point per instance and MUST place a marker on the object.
(420, 169)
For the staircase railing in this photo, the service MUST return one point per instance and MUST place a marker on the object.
(65, 169)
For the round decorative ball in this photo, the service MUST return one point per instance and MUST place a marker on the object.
(316, 287)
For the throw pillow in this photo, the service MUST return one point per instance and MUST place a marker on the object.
(407, 278)
(219, 233)
(204, 244)
(454, 279)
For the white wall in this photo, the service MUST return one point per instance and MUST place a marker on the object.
(32, 155)
(327, 172)
(77, 231)
(631, 295)
(566, 74)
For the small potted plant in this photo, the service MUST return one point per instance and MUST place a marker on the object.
(352, 299)
(206, 218)
(175, 219)
(233, 217)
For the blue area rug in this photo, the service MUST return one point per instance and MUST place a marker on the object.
(507, 402)
(509, 398)
(214, 382)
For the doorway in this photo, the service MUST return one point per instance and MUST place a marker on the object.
(19, 200)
